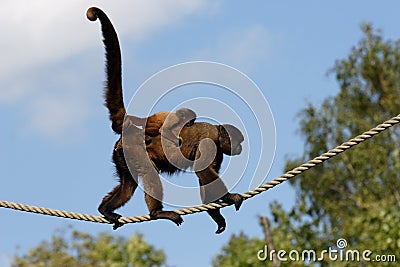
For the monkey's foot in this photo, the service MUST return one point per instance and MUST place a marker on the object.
(113, 218)
(117, 225)
(221, 228)
(169, 215)
(219, 219)
(236, 199)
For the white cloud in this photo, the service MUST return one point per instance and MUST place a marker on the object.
(55, 116)
(241, 48)
(252, 46)
(44, 31)
(41, 34)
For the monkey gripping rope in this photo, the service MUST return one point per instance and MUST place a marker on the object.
(262, 188)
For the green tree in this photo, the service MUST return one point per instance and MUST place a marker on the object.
(355, 196)
(241, 251)
(83, 250)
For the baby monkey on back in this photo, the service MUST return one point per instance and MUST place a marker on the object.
(168, 124)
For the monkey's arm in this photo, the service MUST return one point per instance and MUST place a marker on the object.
(212, 188)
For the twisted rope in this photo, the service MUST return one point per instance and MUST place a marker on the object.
(195, 209)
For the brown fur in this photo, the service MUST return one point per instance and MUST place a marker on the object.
(168, 124)
(147, 160)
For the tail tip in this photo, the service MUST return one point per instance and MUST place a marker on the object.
(92, 13)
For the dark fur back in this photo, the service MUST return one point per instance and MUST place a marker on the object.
(113, 90)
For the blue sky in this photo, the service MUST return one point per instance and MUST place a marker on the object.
(56, 138)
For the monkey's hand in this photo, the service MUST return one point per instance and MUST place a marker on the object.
(169, 215)
(236, 199)
(113, 218)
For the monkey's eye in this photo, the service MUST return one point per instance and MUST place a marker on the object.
(190, 123)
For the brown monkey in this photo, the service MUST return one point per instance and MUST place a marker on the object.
(115, 104)
(168, 124)
(226, 138)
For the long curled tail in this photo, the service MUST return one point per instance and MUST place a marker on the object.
(113, 90)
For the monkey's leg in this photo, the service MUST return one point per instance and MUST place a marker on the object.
(215, 214)
(219, 219)
(121, 193)
(136, 155)
(212, 189)
(153, 196)
(215, 187)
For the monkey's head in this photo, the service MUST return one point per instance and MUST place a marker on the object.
(186, 116)
(230, 139)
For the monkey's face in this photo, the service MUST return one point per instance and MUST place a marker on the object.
(230, 139)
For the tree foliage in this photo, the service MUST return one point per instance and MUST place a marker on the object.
(355, 196)
(83, 250)
(355, 188)
(241, 251)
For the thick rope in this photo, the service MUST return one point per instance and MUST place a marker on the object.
(271, 184)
